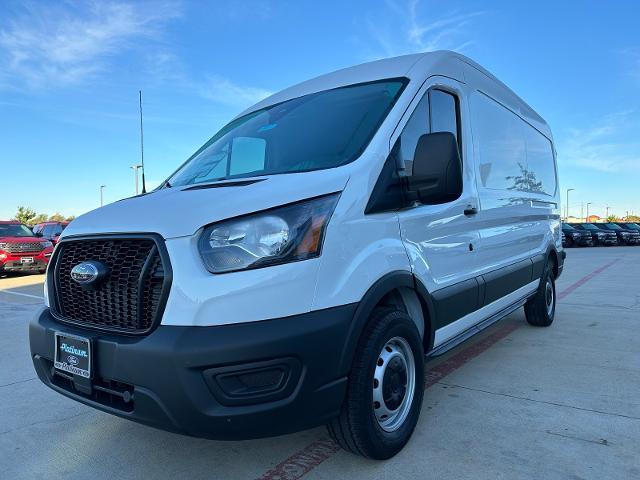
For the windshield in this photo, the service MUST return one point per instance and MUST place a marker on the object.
(566, 226)
(589, 226)
(15, 230)
(632, 226)
(317, 131)
(612, 226)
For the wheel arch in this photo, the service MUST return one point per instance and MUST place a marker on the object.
(399, 289)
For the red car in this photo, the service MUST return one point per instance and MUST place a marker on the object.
(50, 230)
(21, 250)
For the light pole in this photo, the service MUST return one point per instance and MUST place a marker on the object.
(101, 195)
(566, 216)
(135, 171)
(587, 218)
(607, 215)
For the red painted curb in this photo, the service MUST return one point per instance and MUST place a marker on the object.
(585, 279)
(305, 460)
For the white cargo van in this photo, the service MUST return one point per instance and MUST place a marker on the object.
(301, 267)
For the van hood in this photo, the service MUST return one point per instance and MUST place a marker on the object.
(181, 211)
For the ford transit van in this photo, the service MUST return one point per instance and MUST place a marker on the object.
(303, 265)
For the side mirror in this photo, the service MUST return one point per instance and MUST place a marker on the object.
(38, 234)
(437, 169)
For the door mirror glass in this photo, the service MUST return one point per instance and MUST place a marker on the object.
(437, 169)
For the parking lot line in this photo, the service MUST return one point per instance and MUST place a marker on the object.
(305, 460)
(22, 294)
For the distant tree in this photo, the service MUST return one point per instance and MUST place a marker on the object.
(633, 218)
(56, 217)
(25, 215)
(70, 218)
(39, 218)
(612, 219)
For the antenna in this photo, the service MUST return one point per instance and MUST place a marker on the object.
(144, 186)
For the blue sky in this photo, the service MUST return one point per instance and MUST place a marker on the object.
(70, 74)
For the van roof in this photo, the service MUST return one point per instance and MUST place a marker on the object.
(417, 66)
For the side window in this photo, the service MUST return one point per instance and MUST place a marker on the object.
(247, 155)
(540, 162)
(417, 125)
(444, 113)
(513, 154)
(499, 136)
(437, 112)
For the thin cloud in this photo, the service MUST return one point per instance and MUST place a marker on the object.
(166, 68)
(222, 90)
(411, 27)
(64, 44)
(608, 147)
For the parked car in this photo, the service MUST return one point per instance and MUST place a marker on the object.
(307, 258)
(625, 236)
(21, 251)
(50, 230)
(575, 237)
(599, 236)
(629, 226)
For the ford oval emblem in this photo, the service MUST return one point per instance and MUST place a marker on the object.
(89, 273)
(73, 360)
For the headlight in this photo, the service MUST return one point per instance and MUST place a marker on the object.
(46, 244)
(280, 235)
(3, 245)
(601, 235)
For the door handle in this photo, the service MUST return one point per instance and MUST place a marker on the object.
(470, 210)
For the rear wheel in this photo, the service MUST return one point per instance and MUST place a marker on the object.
(385, 389)
(540, 310)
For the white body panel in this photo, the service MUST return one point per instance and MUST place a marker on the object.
(433, 242)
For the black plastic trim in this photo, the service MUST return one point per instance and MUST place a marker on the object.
(233, 183)
(456, 301)
(165, 370)
(505, 280)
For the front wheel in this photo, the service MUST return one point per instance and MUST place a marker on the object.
(540, 309)
(385, 389)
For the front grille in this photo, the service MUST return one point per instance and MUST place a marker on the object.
(132, 296)
(23, 247)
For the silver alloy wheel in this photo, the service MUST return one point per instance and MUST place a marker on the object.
(394, 383)
(549, 297)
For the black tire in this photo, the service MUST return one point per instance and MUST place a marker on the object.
(358, 429)
(538, 311)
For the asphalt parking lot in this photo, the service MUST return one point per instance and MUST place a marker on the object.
(514, 402)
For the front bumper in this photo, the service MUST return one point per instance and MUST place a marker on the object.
(12, 262)
(181, 379)
(584, 241)
(37, 265)
(606, 241)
